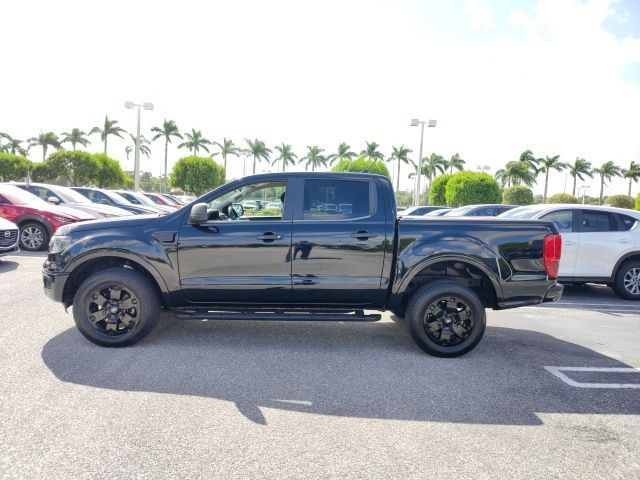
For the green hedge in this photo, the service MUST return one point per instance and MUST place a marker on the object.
(620, 201)
(468, 188)
(359, 164)
(517, 195)
(638, 202)
(562, 198)
(197, 175)
(438, 191)
(13, 167)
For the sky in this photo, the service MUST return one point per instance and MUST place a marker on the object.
(559, 77)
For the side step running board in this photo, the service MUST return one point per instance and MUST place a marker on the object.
(278, 315)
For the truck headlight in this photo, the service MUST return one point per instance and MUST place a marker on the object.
(58, 243)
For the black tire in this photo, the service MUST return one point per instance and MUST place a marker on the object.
(627, 282)
(120, 287)
(459, 331)
(33, 236)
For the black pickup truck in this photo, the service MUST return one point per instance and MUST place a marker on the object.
(326, 246)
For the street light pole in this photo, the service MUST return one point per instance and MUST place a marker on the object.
(136, 163)
(414, 123)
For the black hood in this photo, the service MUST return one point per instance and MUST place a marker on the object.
(119, 222)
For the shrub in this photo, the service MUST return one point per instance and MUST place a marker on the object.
(359, 164)
(13, 167)
(79, 167)
(197, 174)
(467, 188)
(620, 201)
(404, 199)
(562, 198)
(109, 173)
(638, 202)
(437, 193)
(518, 195)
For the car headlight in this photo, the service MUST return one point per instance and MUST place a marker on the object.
(110, 215)
(58, 243)
(62, 219)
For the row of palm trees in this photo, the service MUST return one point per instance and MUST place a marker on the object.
(526, 169)
(196, 143)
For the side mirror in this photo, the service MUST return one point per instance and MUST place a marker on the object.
(198, 214)
(54, 200)
(238, 209)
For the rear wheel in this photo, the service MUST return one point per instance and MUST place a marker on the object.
(116, 307)
(33, 236)
(446, 319)
(627, 283)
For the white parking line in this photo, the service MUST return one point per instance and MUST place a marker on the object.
(557, 371)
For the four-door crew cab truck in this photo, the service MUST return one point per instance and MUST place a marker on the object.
(212, 260)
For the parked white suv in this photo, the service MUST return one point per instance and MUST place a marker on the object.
(599, 244)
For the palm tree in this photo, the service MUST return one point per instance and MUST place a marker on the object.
(258, 150)
(195, 141)
(528, 158)
(607, 171)
(75, 136)
(45, 140)
(344, 152)
(314, 157)
(633, 174)
(13, 145)
(227, 147)
(285, 153)
(516, 172)
(109, 128)
(579, 168)
(455, 162)
(432, 166)
(145, 146)
(401, 154)
(546, 165)
(167, 130)
(371, 152)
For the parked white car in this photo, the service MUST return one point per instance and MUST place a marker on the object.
(599, 244)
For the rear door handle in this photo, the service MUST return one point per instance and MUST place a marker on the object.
(363, 235)
(269, 237)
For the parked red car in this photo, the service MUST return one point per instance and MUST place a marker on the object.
(162, 200)
(36, 219)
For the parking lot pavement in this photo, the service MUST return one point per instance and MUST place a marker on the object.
(310, 400)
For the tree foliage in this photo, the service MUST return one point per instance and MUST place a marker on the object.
(638, 202)
(517, 195)
(468, 188)
(197, 174)
(359, 164)
(438, 192)
(562, 198)
(13, 167)
(620, 201)
(79, 167)
(109, 172)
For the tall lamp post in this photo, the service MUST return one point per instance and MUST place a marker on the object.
(136, 164)
(414, 123)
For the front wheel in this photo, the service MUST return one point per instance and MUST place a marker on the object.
(627, 282)
(446, 319)
(116, 307)
(33, 236)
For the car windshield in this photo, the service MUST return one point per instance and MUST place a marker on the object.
(17, 196)
(71, 196)
(520, 212)
(438, 212)
(458, 212)
(117, 197)
(143, 199)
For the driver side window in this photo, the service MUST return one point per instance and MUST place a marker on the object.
(254, 201)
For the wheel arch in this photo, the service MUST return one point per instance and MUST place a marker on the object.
(87, 266)
(20, 221)
(635, 255)
(467, 271)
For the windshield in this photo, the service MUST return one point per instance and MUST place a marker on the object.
(520, 212)
(71, 196)
(438, 212)
(458, 212)
(17, 196)
(143, 199)
(117, 197)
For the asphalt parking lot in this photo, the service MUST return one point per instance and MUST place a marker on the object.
(280, 400)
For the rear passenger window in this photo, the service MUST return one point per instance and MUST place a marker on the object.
(627, 222)
(593, 221)
(563, 220)
(337, 200)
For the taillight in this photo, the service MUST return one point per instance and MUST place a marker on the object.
(551, 251)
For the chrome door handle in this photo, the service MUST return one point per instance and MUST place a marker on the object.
(363, 235)
(269, 237)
